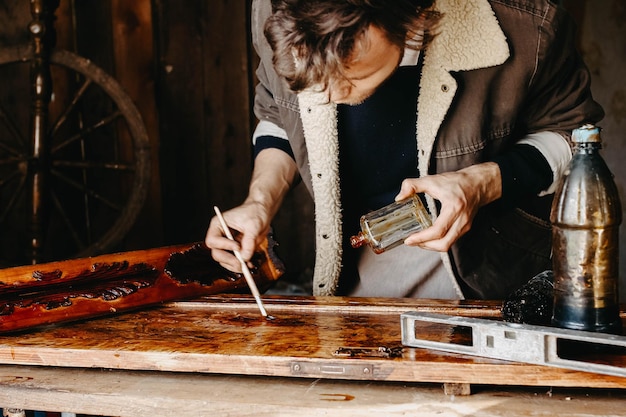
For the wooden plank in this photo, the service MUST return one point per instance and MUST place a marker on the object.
(203, 95)
(183, 139)
(457, 389)
(227, 93)
(226, 335)
(156, 394)
(134, 69)
(14, 20)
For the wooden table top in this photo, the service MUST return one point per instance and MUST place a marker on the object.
(309, 338)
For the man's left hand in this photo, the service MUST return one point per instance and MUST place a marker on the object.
(461, 194)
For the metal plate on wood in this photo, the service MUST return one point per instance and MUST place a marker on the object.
(338, 369)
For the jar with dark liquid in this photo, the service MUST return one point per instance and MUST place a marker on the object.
(586, 215)
(387, 227)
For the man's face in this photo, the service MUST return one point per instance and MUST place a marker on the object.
(369, 69)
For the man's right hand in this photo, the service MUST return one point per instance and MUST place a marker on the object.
(249, 225)
(274, 173)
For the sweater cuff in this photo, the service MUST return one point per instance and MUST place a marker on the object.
(266, 142)
(525, 172)
(269, 135)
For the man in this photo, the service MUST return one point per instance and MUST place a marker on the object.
(470, 102)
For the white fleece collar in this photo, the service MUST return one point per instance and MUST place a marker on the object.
(470, 35)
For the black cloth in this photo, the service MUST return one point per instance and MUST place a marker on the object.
(377, 146)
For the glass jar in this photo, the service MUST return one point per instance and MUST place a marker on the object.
(387, 227)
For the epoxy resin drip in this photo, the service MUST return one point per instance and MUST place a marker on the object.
(387, 227)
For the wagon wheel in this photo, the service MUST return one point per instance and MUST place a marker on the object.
(97, 165)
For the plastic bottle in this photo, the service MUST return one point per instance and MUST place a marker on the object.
(586, 214)
(387, 227)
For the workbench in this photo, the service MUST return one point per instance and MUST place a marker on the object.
(216, 356)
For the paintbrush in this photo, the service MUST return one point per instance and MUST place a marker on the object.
(244, 267)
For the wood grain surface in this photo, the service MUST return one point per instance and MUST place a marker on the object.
(225, 334)
(167, 394)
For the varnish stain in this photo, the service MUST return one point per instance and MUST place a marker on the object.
(365, 352)
(337, 397)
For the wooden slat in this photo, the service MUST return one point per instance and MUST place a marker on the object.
(225, 335)
(203, 94)
(227, 91)
(134, 69)
(163, 394)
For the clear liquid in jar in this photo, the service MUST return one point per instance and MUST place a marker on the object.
(387, 227)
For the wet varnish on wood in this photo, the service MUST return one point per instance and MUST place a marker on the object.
(316, 337)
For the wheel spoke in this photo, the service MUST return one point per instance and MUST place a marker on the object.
(63, 117)
(85, 132)
(115, 166)
(86, 190)
(6, 180)
(13, 131)
(9, 206)
(11, 161)
(67, 221)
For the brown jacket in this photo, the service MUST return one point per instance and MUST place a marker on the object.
(496, 71)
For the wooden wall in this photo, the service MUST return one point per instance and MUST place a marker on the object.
(204, 90)
(203, 95)
(603, 45)
(189, 68)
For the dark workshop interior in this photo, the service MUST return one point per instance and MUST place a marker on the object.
(148, 128)
(188, 67)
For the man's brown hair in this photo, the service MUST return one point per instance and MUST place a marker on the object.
(313, 40)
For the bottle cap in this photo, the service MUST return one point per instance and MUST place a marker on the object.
(358, 240)
(586, 134)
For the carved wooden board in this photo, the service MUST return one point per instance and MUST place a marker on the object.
(319, 337)
(63, 291)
